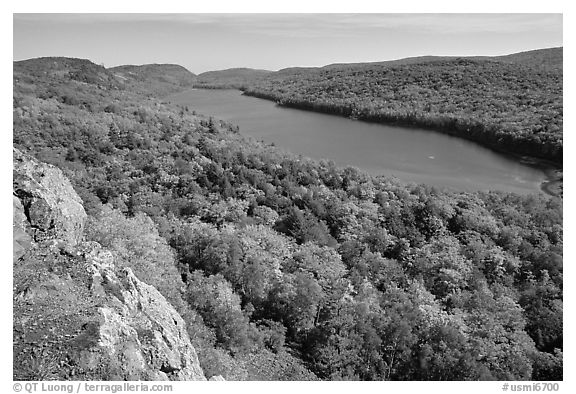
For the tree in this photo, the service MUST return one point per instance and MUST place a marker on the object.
(214, 298)
(137, 244)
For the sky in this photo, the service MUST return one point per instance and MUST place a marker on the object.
(204, 42)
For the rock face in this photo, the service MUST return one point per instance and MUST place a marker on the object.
(76, 316)
(139, 334)
(51, 206)
(22, 240)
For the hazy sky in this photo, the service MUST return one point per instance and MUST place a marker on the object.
(203, 42)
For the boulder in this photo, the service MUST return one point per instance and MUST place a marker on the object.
(52, 209)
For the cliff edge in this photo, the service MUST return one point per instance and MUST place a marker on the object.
(76, 315)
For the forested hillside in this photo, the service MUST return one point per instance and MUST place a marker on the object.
(155, 78)
(509, 103)
(508, 107)
(288, 268)
(233, 78)
(549, 59)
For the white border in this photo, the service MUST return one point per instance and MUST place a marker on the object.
(308, 6)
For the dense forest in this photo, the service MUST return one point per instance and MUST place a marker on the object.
(507, 107)
(291, 269)
(233, 78)
(509, 103)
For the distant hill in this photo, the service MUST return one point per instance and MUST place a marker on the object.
(81, 70)
(167, 74)
(398, 62)
(550, 58)
(232, 78)
(157, 78)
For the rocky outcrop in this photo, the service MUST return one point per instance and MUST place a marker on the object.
(52, 208)
(21, 239)
(139, 335)
(76, 315)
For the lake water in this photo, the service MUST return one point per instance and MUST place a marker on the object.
(412, 155)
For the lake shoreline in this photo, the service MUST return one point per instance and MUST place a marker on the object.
(481, 134)
(549, 182)
(552, 186)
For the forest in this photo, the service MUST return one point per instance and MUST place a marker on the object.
(285, 268)
(514, 108)
(234, 78)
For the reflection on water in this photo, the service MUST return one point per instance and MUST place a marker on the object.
(412, 155)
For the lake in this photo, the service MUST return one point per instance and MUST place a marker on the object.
(410, 154)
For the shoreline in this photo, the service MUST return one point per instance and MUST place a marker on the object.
(552, 185)
(496, 147)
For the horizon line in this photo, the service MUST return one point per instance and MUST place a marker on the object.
(289, 67)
